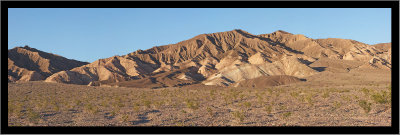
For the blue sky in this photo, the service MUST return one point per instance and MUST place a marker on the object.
(91, 34)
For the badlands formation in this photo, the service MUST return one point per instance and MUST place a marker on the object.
(30, 64)
(232, 58)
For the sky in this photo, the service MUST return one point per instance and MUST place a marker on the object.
(96, 33)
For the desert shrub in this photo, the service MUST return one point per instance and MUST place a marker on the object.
(56, 106)
(282, 107)
(18, 107)
(118, 102)
(277, 94)
(180, 123)
(78, 102)
(136, 107)
(365, 91)
(113, 113)
(241, 96)
(382, 97)
(269, 90)
(147, 103)
(259, 99)
(294, 94)
(326, 94)
(212, 93)
(347, 98)
(268, 108)
(247, 104)
(26, 98)
(263, 93)
(192, 104)
(345, 90)
(210, 112)
(164, 92)
(91, 108)
(124, 117)
(286, 115)
(336, 105)
(11, 108)
(104, 103)
(309, 99)
(355, 97)
(226, 99)
(238, 115)
(234, 94)
(159, 103)
(365, 105)
(33, 116)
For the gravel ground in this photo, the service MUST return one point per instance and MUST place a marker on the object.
(52, 104)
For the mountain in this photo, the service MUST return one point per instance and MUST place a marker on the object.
(30, 64)
(228, 58)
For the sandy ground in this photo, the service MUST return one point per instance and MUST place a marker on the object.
(334, 102)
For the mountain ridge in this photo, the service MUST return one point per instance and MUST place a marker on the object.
(226, 58)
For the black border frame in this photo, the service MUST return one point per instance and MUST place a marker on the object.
(394, 5)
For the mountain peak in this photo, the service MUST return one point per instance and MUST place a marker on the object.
(30, 48)
(282, 32)
(26, 47)
(239, 30)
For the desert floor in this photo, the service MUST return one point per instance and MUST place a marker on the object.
(325, 100)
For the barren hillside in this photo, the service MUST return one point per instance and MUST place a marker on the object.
(30, 64)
